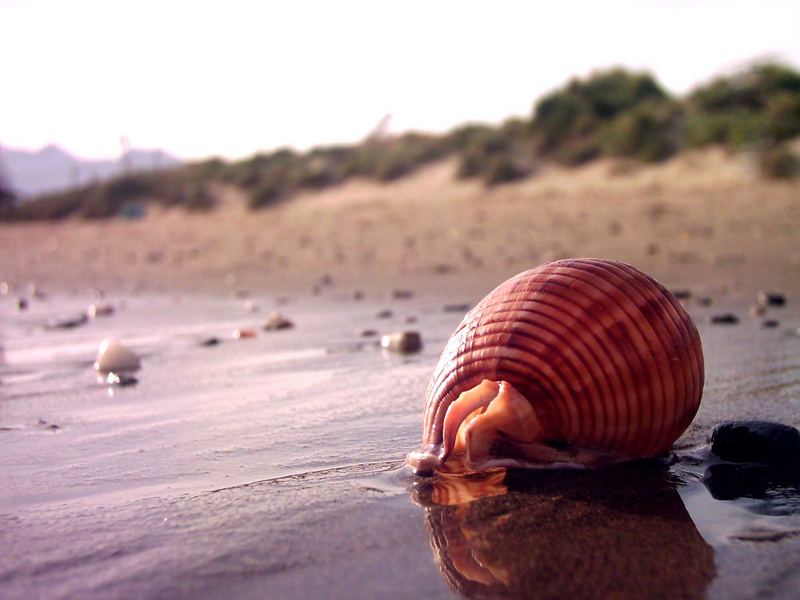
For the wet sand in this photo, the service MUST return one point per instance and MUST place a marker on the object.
(271, 467)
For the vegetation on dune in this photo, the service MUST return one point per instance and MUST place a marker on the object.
(614, 113)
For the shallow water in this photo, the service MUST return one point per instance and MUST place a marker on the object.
(270, 467)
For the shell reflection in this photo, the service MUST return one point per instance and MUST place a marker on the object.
(623, 533)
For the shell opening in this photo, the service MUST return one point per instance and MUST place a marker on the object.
(494, 425)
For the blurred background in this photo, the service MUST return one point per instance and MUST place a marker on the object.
(161, 144)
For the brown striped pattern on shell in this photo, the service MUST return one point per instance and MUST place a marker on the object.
(607, 356)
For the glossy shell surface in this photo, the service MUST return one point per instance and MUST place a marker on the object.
(607, 357)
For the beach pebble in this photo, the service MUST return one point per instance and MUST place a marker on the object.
(384, 314)
(22, 304)
(34, 291)
(369, 333)
(456, 308)
(682, 294)
(770, 323)
(411, 319)
(250, 306)
(725, 319)
(403, 342)
(759, 310)
(5, 288)
(402, 294)
(704, 301)
(113, 356)
(358, 295)
(100, 310)
(771, 299)
(755, 441)
(211, 341)
(243, 334)
(121, 379)
(70, 323)
(276, 321)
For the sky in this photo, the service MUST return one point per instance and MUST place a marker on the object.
(200, 79)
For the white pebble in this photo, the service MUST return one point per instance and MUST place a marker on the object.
(114, 357)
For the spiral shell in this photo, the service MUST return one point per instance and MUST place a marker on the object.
(607, 358)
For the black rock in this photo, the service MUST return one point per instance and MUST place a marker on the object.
(771, 299)
(704, 301)
(369, 333)
(212, 341)
(682, 294)
(22, 304)
(385, 314)
(725, 319)
(770, 323)
(756, 442)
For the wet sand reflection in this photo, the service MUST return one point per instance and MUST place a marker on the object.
(616, 533)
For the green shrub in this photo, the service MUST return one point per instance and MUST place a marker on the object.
(566, 124)
(649, 132)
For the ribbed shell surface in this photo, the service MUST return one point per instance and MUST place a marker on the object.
(607, 356)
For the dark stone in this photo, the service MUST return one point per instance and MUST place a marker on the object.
(725, 319)
(402, 294)
(756, 442)
(22, 304)
(770, 324)
(369, 333)
(403, 342)
(460, 308)
(385, 314)
(212, 341)
(771, 299)
(682, 294)
(704, 301)
(71, 323)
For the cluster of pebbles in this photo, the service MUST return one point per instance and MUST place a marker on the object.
(765, 301)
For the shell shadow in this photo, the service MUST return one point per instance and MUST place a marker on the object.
(621, 532)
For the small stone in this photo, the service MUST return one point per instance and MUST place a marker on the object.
(276, 321)
(456, 308)
(121, 379)
(682, 294)
(758, 310)
(212, 341)
(369, 333)
(725, 319)
(770, 323)
(443, 269)
(326, 280)
(243, 334)
(358, 295)
(771, 299)
(22, 304)
(70, 323)
(250, 306)
(115, 357)
(402, 294)
(34, 291)
(384, 314)
(704, 301)
(100, 310)
(5, 288)
(403, 342)
(411, 319)
(755, 441)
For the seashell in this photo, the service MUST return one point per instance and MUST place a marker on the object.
(578, 362)
(113, 357)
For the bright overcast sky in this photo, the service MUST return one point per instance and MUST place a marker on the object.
(229, 78)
